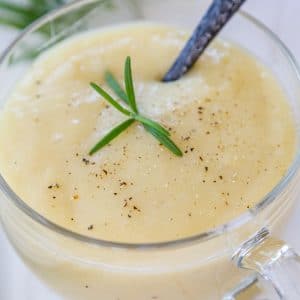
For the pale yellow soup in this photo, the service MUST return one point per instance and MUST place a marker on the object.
(228, 115)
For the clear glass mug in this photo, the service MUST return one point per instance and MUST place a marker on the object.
(219, 264)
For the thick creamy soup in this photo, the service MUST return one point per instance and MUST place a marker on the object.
(228, 115)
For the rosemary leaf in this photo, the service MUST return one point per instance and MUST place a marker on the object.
(109, 99)
(111, 135)
(153, 124)
(18, 9)
(129, 85)
(18, 24)
(164, 140)
(116, 87)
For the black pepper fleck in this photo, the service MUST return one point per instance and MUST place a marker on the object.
(136, 208)
(86, 161)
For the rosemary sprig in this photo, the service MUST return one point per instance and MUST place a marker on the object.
(20, 15)
(128, 98)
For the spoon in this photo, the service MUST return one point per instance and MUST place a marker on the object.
(216, 17)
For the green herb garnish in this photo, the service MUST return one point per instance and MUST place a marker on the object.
(20, 14)
(128, 98)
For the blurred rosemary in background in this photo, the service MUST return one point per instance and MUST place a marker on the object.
(19, 14)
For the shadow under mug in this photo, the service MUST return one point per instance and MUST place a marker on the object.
(221, 263)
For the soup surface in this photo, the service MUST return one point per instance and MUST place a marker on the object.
(228, 115)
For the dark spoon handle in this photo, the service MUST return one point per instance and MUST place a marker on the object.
(218, 14)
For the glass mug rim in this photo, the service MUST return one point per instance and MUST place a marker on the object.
(198, 238)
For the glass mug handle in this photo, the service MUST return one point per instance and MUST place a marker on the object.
(274, 260)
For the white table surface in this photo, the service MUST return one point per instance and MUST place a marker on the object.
(17, 282)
